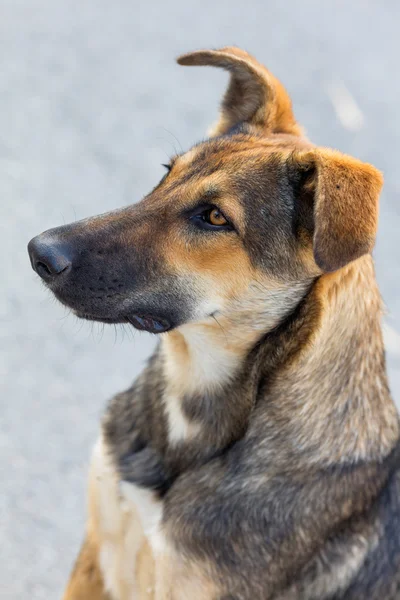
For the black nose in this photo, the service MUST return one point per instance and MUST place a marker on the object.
(48, 258)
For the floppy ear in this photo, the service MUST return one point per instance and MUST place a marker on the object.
(254, 96)
(345, 205)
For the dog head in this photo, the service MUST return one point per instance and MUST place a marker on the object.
(255, 207)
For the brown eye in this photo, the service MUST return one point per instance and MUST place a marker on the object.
(211, 219)
(216, 218)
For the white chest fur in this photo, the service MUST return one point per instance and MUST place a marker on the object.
(122, 516)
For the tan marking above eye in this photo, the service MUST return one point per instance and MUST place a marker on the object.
(216, 217)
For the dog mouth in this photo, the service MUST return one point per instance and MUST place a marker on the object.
(142, 322)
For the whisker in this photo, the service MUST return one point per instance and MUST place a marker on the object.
(175, 138)
(218, 323)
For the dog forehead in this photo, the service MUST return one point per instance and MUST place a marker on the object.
(236, 153)
(228, 155)
(221, 150)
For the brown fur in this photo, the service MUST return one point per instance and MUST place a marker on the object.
(254, 95)
(344, 230)
(86, 582)
(257, 455)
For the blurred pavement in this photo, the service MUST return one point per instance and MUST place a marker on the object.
(91, 102)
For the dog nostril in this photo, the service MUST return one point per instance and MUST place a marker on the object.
(50, 269)
(48, 257)
(42, 270)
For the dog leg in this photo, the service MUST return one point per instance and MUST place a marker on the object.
(86, 581)
(116, 561)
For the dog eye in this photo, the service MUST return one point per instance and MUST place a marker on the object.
(211, 218)
(215, 217)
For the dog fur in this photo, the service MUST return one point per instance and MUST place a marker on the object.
(257, 455)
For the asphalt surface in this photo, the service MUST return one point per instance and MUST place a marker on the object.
(91, 102)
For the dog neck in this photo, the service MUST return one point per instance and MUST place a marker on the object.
(332, 402)
(203, 359)
(327, 390)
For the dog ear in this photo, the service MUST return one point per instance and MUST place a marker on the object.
(254, 96)
(345, 195)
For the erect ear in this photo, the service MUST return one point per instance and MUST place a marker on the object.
(345, 205)
(254, 96)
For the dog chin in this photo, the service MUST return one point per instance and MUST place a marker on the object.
(143, 322)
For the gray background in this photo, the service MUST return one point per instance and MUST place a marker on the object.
(91, 102)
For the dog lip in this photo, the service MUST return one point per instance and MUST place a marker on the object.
(149, 323)
(89, 317)
(142, 322)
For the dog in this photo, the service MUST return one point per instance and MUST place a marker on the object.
(257, 456)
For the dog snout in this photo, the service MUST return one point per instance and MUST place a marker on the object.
(49, 258)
